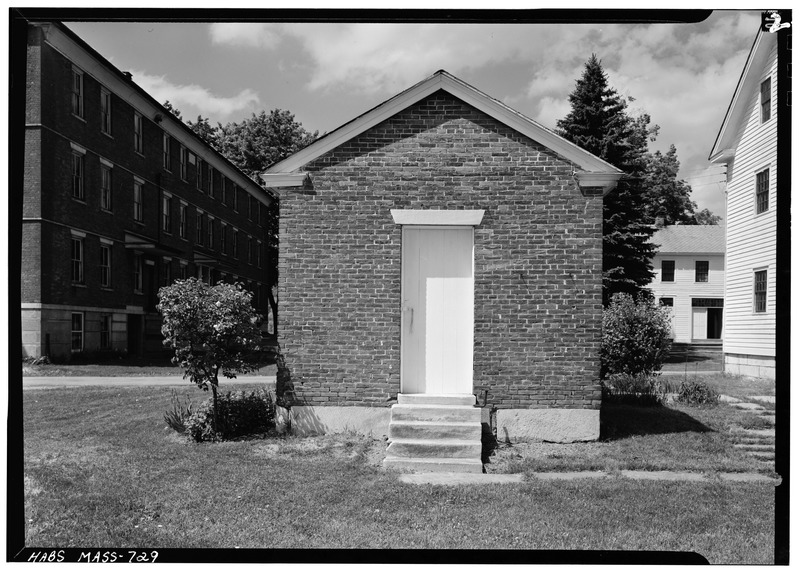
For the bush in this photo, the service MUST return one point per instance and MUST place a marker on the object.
(239, 414)
(697, 393)
(177, 416)
(640, 389)
(636, 336)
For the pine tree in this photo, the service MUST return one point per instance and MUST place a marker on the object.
(598, 122)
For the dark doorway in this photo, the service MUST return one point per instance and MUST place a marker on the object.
(714, 324)
(135, 334)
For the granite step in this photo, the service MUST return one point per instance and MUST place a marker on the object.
(428, 448)
(436, 413)
(434, 464)
(402, 430)
(467, 399)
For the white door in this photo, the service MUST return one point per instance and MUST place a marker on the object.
(699, 323)
(438, 311)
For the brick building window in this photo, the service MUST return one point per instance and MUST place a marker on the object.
(105, 188)
(224, 186)
(77, 92)
(105, 111)
(184, 270)
(138, 273)
(199, 226)
(77, 175)
(183, 159)
(223, 238)
(137, 132)
(165, 152)
(105, 332)
(138, 208)
(166, 213)
(77, 332)
(105, 266)
(210, 233)
(77, 260)
(762, 191)
(249, 250)
(235, 241)
(212, 186)
(701, 271)
(667, 271)
(235, 197)
(199, 178)
(258, 254)
(183, 220)
(760, 291)
(766, 99)
(166, 271)
(250, 207)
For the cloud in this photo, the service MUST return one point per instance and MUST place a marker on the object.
(258, 35)
(194, 99)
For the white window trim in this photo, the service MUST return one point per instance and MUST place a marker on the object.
(756, 172)
(766, 290)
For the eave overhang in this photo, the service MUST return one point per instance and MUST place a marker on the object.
(137, 242)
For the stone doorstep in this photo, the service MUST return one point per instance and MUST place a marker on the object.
(755, 447)
(435, 465)
(466, 399)
(434, 448)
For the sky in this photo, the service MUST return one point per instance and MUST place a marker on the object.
(326, 73)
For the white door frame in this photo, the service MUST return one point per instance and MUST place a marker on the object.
(430, 219)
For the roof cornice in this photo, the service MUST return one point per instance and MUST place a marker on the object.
(587, 162)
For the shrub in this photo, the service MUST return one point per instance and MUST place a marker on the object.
(641, 389)
(177, 416)
(697, 393)
(636, 336)
(239, 414)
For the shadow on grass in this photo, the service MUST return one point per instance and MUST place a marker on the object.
(623, 421)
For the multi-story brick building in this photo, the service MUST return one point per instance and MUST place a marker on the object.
(120, 198)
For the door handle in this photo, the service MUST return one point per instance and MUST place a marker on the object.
(410, 310)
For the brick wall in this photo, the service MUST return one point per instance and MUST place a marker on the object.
(537, 260)
(50, 210)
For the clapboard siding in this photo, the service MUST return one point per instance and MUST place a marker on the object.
(684, 288)
(751, 237)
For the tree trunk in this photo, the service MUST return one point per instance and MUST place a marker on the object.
(214, 383)
(273, 304)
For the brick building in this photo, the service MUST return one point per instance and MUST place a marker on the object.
(120, 198)
(443, 244)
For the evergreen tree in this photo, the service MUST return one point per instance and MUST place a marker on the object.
(598, 122)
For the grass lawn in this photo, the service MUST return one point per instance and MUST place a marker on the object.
(100, 470)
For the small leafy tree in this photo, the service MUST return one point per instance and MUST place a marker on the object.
(636, 336)
(212, 329)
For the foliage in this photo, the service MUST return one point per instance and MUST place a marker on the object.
(635, 336)
(697, 393)
(202, 128)
(633, 389)
(176, 417)
(239, 414)
(258, 142)
(705, 217)
(598, 122)
(169, 106)
(666, 195)
(212, 329)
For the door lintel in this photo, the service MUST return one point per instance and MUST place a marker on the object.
(463, 217)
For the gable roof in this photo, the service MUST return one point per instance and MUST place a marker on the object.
(594, 172)
(697, 239)
(739, 107)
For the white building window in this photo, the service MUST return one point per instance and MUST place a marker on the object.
(760, 291)
(766, 100)
(762, 191)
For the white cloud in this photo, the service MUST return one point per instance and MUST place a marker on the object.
(195, 99)
(259, 35)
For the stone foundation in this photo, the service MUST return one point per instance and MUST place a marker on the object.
(513, 425)
(750, 366)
